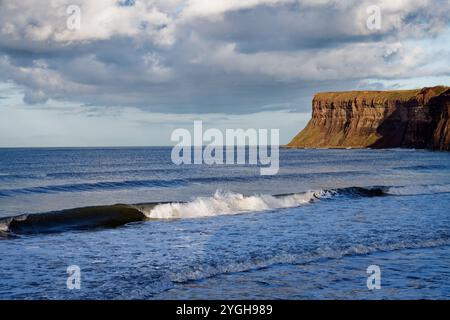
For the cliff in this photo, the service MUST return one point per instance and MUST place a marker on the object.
(379, 119)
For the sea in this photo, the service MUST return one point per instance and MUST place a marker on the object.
(127, 223)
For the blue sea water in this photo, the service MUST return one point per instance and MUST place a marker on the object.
(220, 232)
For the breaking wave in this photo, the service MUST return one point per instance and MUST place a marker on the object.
(228, 203)
(221, 203)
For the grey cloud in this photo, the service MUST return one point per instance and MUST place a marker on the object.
(34, 96)
(286, 28)
(269, 56)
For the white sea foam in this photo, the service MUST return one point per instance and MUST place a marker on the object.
(228, 203)
(419, 189)
(223, 203)
(3, 227)
(304, 257)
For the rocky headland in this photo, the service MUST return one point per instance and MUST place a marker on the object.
(379, 119)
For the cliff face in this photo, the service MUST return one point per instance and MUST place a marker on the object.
(379, 119)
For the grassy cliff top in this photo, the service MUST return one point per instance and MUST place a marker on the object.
(382, 95)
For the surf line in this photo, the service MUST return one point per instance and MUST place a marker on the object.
(237, 143)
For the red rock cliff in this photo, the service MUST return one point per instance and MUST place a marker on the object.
(379, 119)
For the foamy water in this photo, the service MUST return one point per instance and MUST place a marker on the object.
(229, 203)
(419, 189)
(223, 203)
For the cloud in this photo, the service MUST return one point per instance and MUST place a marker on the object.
(43, 21)
(221, 56)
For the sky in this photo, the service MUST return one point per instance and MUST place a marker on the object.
(129, 72)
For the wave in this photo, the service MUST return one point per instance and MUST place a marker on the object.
(71, 219)
(195, 274)
(84, 174)
(13, 176)
(221, 203)
(111, 185)
(419, 190)
(429, 167)
(159, 183)
(229, 203)
(174, 183)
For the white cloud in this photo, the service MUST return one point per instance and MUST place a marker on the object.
(213, 55)
(42, 20)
